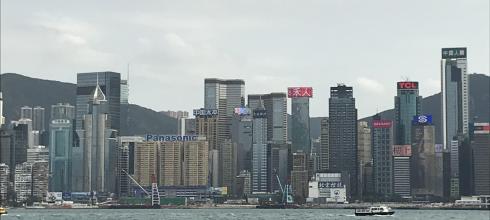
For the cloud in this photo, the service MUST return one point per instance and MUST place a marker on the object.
(370, 85)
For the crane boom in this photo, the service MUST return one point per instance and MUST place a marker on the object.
(147, 193)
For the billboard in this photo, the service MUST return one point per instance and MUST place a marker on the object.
(242, 111)
(260, 113)
(422, 120)
(202, 112)
(481, 128)
(170, 138)
(330, 184)
(54, 196)
(450, 53)
(402, 150)
(407, 85)
(382, 123)
(300, 92)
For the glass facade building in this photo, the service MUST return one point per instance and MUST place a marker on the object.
(343, 134)
(300, 124)
(407, 105)
(276, 106)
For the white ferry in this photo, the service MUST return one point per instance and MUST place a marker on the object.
(375, 210)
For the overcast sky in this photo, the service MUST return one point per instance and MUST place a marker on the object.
(173, 45)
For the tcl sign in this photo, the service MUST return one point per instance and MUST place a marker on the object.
(408, 85)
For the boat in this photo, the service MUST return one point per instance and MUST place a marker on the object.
(375, 210)
(3, 211)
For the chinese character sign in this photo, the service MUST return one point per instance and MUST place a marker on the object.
(451, 53)
(260, 113)
(382, 123)
(402, 150)
(205, 112)
(330, 185)
(300, 92)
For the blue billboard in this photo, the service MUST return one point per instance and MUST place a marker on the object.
(422, 120)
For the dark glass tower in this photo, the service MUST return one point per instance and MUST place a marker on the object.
(407, 105)
(343, 135)
(300, 115)
(110, 84)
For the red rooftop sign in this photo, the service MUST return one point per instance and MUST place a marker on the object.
(300, 92)
(382, 123)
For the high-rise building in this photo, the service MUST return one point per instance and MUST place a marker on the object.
(186, 126)
(23, 181)
(195, 164)
(98, 147)
(124, 100)
(426, 178)
(480, 143)
(37, 153)
(26, 133)
(110, 84)
(382, 142)
(225, 96)
(401, 170)
(324, 145)
(276, 106)
(365, 158)
(38, 119)
(300, 118)
(145, 162)
(244, 187)
(299, 176)
(4, 182)
(206, 123)
(176, 114)
(26, 112)
(259, 151)
(20, 144)
(62, 111)
(125, 163)
(455, 107)
(170, 167)
(241, 134)
(278, 164)
(343, 135)
(61, 145)
(228, 156)
(7, 149)
(407, 105)
(40, 174)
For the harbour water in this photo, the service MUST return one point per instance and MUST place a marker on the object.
(217, 214)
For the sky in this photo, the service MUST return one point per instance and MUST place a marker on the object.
(171, 46)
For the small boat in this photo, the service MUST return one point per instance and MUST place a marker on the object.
(375, 210)
(3, 211)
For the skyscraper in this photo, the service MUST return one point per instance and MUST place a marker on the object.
(146, 162)
(300, 118)
(276, 106)
(38, 119)
(343, 135)
(99, 164)
(426, 177)
(4, 182)
(207, 126)
(365, 158)
(195, 163)
(259, 151)
(124, 99)
(125, 162)
(170, 166)
(324, 145)
(110, 85)
(480, 143)
(299, 176)
(401, 170)
(241, 134)
(225, 96)
(26, 112)
(455, 107)
(61, 145)
(382, 143)
(407, 105)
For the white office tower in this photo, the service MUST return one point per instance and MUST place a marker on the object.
(455, 110)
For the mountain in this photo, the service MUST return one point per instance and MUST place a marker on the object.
(19, 90)
(479, 106)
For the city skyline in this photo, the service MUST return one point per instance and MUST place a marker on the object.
(169, 45)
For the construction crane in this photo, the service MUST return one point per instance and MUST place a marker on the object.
(155, 194)
(286, 198)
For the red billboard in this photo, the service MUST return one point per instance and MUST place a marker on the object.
(382, 123)
(300, 92)
(402, 150)
(482, 128)
(407, 85)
